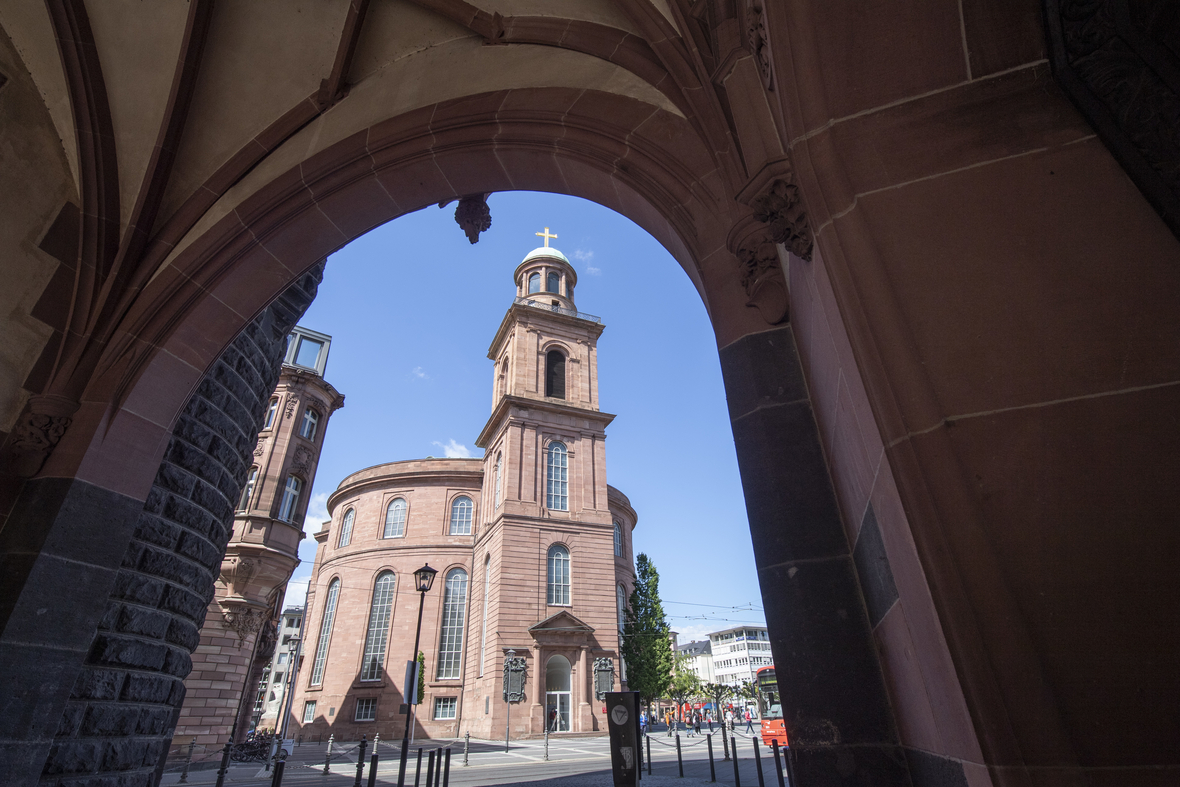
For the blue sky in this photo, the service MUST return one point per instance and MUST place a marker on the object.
(412, 307)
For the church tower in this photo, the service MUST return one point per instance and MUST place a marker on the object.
(547, 514)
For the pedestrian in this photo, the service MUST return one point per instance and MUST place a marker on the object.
(553, 719)
(749, 722)
(696, 724)
(709, 718)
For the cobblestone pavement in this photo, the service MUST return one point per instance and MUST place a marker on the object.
(572, 762)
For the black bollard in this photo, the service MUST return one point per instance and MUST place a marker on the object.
(447, 770)
(758, 762)
(430, 768)
(778, 765)
(360, 764)
(418, 769)
(712, 770)
(679, 761)
(373, 770)
(649, 755)
(438, 768)
(277, 779)
(737, 777)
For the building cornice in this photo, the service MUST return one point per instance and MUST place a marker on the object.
(502, 414)
(528, 314)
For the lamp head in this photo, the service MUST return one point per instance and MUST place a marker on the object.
(424, 578)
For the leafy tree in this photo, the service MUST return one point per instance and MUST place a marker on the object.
(718, 693)
(646, 644)
(685, 685)
(421, 675)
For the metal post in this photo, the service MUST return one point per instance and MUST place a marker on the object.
(438, 767)
(277, 779)
(328, 756)
(507, 726)
(447, 770)
(360, 764)
(225, 754)
(418, 768)
(373, 767)
(737, 777)
(466, 746)
(649, 755)
(712, 770)
(790, 768)
(430, 769)
(758, 762)
(778, 765)
(187, 760)
(407, 691)
(679, 760)
(546, 757)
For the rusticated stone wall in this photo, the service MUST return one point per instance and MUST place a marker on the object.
(125, 702)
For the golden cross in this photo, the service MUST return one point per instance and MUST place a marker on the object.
(546, 236)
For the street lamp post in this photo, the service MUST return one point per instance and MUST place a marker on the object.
(286, 698)
(423, 579)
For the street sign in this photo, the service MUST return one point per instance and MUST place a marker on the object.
(622, 714)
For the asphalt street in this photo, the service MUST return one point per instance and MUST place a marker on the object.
(571, 762)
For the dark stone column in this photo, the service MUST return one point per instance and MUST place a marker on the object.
(835, 703)
(96, 648)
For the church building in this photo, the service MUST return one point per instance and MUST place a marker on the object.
(532, 547)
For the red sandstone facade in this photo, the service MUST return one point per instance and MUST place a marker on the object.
(531, 545)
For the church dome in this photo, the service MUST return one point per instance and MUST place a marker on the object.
(545, 251)
(546, 276)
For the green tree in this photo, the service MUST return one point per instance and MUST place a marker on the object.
(685, 685)
(718, 693)
(421, 675)
(647, 644)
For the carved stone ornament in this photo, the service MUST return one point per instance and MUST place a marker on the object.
(514, 676)
(1120, 65)
(244, 620)
(268, 639)
(37, 432)
(258, 449)
(473, 215)
(301, 461)
(291, 406)
(781, 210)
(762, 278)
(236, 573)
(604, 677)
(758, 40)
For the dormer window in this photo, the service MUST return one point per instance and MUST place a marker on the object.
(553, 284)
(534, 283)
(555, 374)
(308, 349)
(311, 420)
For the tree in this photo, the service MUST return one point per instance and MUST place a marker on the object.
(421, 675)
(717, 694)
(685, 685)
(647, 645)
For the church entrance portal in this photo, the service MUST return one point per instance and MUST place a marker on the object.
(557, 694)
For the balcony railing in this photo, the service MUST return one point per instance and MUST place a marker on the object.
(549, 307)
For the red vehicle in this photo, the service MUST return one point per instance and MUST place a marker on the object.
(770, 708)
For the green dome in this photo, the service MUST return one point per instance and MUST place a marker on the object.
(545, 251)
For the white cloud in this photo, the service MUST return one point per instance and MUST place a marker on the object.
(695, 632)
(296, 595)
(317, 513)
(584, 256)
(453, 450)
(593, 271)
(419, 373)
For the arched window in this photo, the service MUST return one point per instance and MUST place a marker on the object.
(559, 576)
(378, 632)
(395, 519)
(321, 648)
(248, 489)
(557, 475)
(311, 420)
(271, 410)
(499, 459)
(346, 529)
(621, 604)
(461, 509)
(450, 642)
(534, 283)
(618, 540)
(555, 374)
(290, 499)
(487, 590)
(554, 283)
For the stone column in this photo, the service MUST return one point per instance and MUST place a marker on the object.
(537, 709)
(586, 690)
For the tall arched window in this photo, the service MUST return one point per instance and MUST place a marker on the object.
(618, 540)
(450, 641)
(395, 519)
(557, 476)
(555, 374)
(346, 528)
(534, 283)
(499, 462)
(554, 283)
(559, 576)
(487, 590)
(378, 632)
(461, 509)
(321, 648)
(621, 605)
